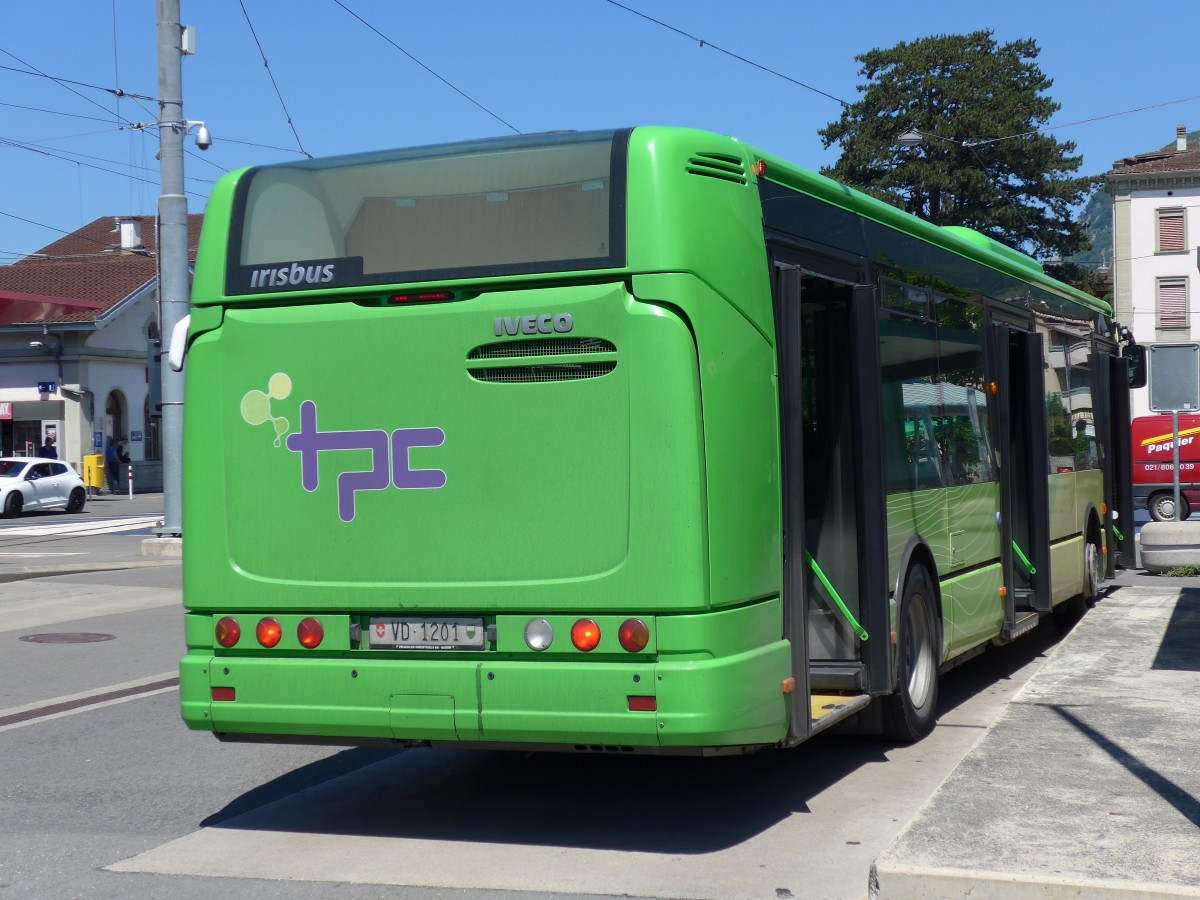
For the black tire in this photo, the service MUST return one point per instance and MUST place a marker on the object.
(910, 713)
(78, 498)
(1162, 507)
(1071, 611)
(13, 505)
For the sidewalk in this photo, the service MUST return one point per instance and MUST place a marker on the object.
(1089, 784)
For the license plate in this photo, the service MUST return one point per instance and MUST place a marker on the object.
(426, 634)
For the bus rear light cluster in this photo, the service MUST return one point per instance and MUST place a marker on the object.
(310, 632)
(633, 635)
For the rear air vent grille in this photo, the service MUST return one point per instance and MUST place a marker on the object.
(531, 374)
(552, 347)
(718, 165)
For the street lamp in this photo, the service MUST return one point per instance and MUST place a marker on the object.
(910, 139)
(56, 349)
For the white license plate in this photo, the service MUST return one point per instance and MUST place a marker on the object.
(426, 634)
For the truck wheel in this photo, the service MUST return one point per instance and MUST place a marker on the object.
(909, 713)
(1162, 508)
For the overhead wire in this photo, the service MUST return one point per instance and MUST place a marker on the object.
(706, 43)
(454, 88)
(274, 84)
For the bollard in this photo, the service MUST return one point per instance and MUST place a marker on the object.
(129, 478)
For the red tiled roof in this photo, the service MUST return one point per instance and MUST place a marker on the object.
(89, 265)
(1160, 161)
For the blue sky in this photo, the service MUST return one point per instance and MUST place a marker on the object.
(535, 65)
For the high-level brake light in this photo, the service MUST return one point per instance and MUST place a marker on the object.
(429, 297)
(228, 631)
(268, 632)
(585, 635)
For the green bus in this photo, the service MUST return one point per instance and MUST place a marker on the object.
(639, 440)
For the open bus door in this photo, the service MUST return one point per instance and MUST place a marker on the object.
(834, 527)
(1119, 468)
(1016, 364)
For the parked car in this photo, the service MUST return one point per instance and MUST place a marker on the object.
(33, 483)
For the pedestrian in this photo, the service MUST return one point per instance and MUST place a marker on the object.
(112, 464)
(47, 451)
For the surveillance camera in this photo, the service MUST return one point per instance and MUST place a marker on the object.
(203, 137)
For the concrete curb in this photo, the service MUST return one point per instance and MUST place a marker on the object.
(921, 883)
(24, 573)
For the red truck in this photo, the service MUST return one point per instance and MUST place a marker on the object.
(1154, 466)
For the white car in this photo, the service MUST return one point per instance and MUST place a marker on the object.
(28, 482)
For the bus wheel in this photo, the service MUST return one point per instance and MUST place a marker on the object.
(1162, 508)
(908, 714)
(1071, 611)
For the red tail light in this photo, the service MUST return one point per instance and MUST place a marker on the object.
(634, 635)
(228, 631)
(310, 633)
(268, 632)
(585, 635)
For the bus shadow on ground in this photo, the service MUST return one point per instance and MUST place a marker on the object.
(603, 801)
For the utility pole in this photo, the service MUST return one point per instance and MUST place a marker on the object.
(174, 290)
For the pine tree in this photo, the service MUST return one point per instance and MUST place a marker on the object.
(960, 92)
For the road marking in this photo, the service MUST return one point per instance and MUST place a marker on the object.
(72, 704)
(82, 529)
(39, 555)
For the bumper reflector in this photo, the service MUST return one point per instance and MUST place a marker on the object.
(643, 704)
(224, 694)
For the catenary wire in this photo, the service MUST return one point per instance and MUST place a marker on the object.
(274, 84)
(457, 90)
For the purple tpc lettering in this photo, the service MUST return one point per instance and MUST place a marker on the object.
(308, 442)
(403, 440)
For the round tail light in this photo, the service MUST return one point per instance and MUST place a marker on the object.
(634, 635)
(268, 632)
(310, 633)
(228, 631)
(585, 635)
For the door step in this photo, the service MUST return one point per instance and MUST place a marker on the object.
(829, 709)
(1024, 621)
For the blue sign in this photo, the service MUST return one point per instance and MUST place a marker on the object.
(135, 435)
(46, 387)
(98, 440)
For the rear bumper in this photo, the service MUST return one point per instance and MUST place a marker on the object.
(734, 700)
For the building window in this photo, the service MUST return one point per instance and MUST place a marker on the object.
(1171, 236)
(1172, 303)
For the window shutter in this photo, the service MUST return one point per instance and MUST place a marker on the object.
(1172, 304)
(1170, 231)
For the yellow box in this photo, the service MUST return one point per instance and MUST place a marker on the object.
(93, 471)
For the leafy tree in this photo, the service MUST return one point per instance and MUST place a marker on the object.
(960, 92)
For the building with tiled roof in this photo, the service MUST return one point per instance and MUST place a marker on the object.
(79, 344)
(1156, 230)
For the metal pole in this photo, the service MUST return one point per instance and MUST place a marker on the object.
(174, 293)
(1175, 456)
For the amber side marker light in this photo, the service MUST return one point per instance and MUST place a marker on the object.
(268, 632)
(585, 635)
(633, 635)
(310, 633)
(228, 632)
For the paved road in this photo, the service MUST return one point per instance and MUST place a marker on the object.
(106, 794)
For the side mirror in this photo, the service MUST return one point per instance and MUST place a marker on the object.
(1136, 356)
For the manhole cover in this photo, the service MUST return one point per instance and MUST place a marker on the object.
(67, 637)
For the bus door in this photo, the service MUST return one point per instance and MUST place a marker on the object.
(1019, 433)
(832, 505)
(1112, 428)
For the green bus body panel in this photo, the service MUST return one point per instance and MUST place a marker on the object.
(585, 493)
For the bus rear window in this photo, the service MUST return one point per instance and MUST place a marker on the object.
(548, 203)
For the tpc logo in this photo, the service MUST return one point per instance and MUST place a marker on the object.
(310, 441)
